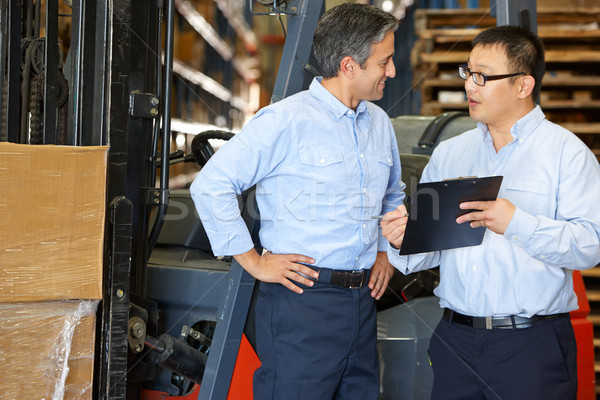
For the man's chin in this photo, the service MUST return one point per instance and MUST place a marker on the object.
(475, 117)
(377, 96)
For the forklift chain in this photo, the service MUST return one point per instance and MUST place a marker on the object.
(61, 128)
(63, 105)
(36, 104)
(36, 107)
(3, 129)
(62, 94)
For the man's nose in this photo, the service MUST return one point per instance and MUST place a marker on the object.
(391, 70)
(470, 85)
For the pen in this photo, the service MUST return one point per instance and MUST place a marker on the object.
(381, 216)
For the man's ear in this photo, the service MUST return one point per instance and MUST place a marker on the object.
(526, 86)
(348, 67)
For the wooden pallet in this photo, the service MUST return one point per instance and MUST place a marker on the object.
(481, 18)
(571, 87)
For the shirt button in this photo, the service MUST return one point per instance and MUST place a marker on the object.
(543, 257)
(362, 155)
(364, 226)
(364, 190)
(474, 267)
(322, 161)
(515, 238)
(356, 258)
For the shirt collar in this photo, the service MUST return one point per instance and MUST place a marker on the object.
(526, 125)
(523, 128)
(338, 108)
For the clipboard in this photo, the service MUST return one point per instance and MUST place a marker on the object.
(434, 208)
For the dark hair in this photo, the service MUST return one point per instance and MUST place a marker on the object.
(349, 29)
(524, 51)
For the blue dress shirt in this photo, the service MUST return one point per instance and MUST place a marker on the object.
(553, 179)
(321, 171)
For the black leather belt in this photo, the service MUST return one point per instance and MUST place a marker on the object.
(343, 278)
(510, 322)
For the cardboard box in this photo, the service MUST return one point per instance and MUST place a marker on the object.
(52, 211)
(47, 349)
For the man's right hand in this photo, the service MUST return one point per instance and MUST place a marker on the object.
(393, 225)
(278, 268)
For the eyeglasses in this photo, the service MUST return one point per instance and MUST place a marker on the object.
(479, 78)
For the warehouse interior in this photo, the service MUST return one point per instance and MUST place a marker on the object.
(108, 287)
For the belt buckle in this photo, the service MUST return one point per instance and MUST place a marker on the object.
(351, 276)
(488, 323)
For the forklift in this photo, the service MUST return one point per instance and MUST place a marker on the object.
(175, 322)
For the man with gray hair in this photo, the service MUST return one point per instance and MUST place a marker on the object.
(323, 161)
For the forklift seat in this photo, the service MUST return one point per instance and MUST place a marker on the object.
(183, 228)
(412, 168)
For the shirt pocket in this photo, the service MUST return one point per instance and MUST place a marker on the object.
(321, 157)
(382, 169)
(323, 170)
(384, 157)
(530, 196)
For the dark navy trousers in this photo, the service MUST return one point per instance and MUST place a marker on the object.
(318, 345)
(536, 363)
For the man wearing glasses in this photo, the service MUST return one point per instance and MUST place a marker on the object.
(505, 331)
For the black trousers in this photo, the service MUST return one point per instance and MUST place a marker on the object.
(539, 362)
(319, 345)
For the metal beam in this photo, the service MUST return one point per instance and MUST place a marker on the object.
(231, 318)
(13, 79)
(515, 12)
(110, 375)
(3, 63)
(112, 368)
(298, 47)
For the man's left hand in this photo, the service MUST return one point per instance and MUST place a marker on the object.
(381, 273)
(494, 215)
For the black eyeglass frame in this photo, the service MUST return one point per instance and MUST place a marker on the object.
(485, 77)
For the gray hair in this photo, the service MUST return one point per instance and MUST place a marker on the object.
(349, 29)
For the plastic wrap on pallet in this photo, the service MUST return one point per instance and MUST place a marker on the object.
(52, 211)
(47, 349)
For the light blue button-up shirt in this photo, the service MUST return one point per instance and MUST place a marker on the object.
(321, 171)
(553, 179)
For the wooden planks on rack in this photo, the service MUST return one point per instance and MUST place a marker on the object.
(570, 89)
